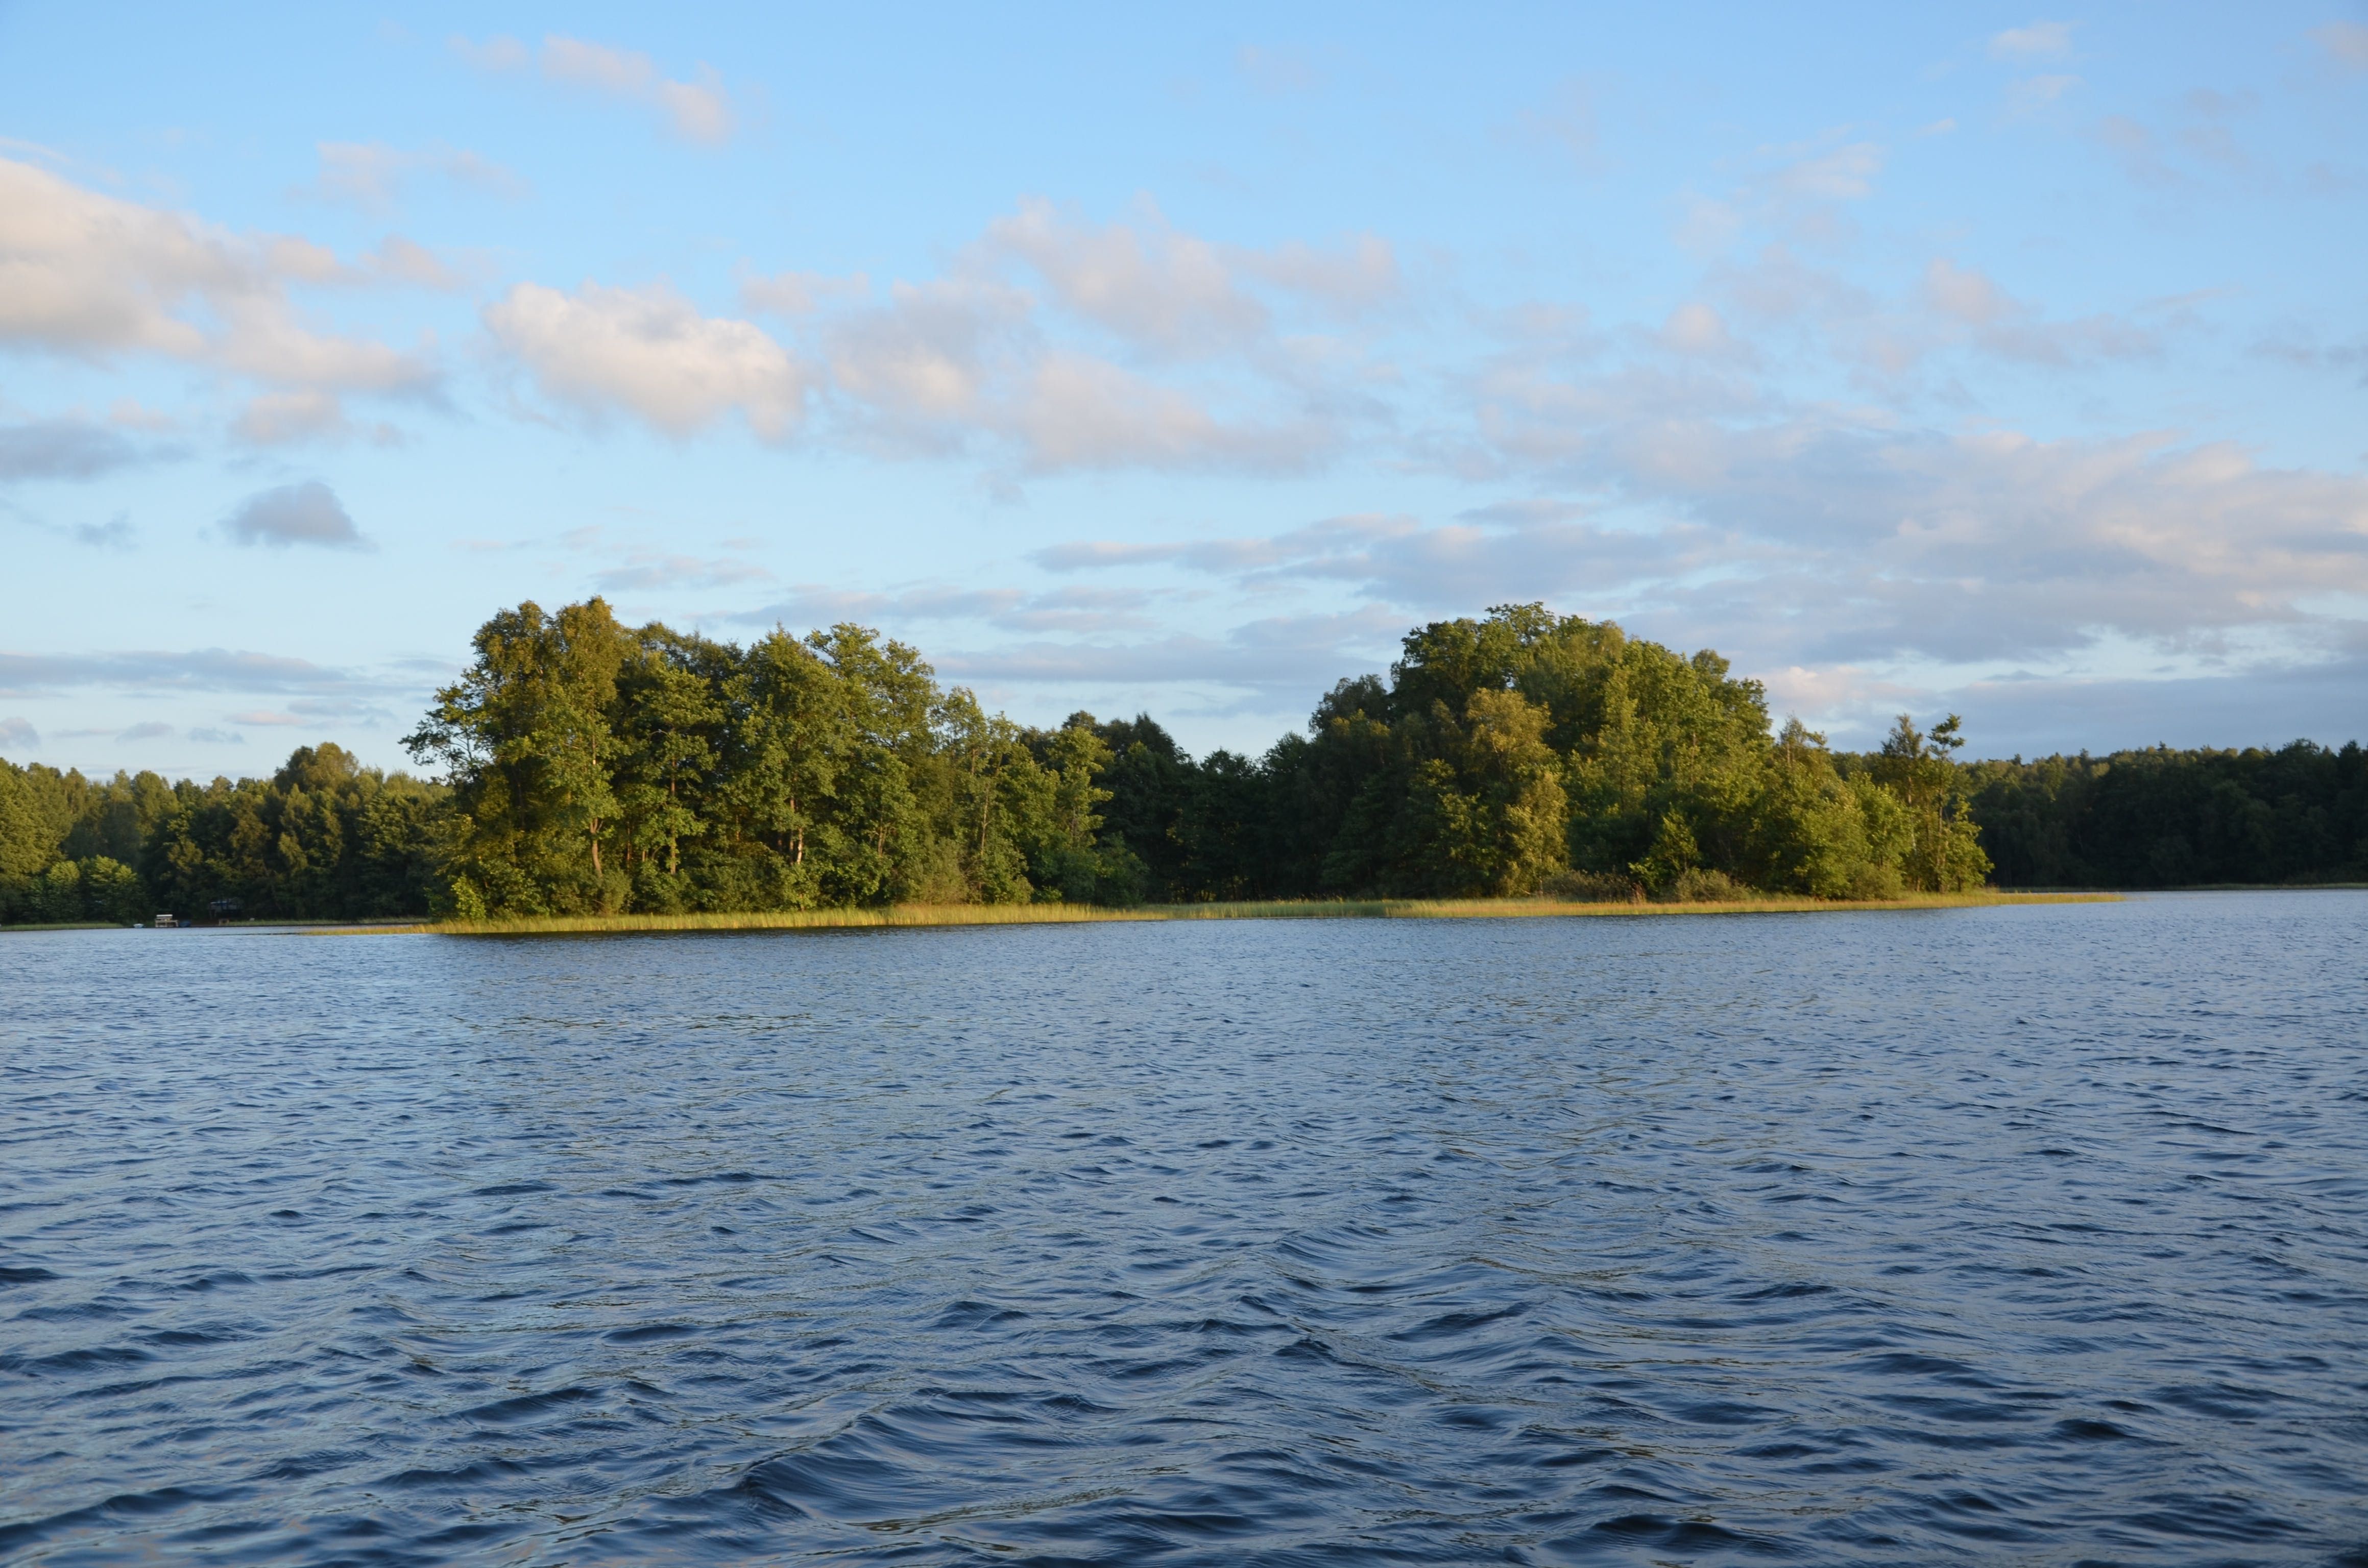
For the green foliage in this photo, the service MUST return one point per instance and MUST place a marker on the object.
(592, 767)
(2164, 818)
(1527, 751)
(322, 838)
(595, 767)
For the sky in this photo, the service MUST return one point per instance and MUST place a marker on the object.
(1916, 359)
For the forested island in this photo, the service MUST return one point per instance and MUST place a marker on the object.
(586, 766)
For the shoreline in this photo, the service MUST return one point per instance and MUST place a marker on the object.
(927, 915)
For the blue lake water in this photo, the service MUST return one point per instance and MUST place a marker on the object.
(2030, 1236)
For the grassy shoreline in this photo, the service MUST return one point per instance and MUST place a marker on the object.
(1072, 914)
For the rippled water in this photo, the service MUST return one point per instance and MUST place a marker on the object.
(2019, 1235)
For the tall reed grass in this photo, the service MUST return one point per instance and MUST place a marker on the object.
(1295, 909)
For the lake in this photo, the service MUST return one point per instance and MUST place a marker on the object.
(2026, 1235)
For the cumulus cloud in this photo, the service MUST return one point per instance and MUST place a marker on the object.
(88, 275)
(796, 293)
(309, 513)
(954, 362)
(1084, 413)
(920, 365)
(1173, 292)
(1986, 546)
(1048, 345)
(650, 352)
(1148, 284)
(19, 734)
(698, 110)
(1816, 542)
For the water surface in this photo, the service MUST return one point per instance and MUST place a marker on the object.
(2032, 1235)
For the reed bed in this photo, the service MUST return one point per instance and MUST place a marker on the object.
(920, 915)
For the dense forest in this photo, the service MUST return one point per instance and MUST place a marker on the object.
(588, 765)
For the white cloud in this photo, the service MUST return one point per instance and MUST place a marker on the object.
(1084, 413)
(1288, 660)
(1850, 559)
(1174, 293)
(2006, 327)
(90, 275)
(19, 734)
(700, 109)
(1150, 284)
(280, 418)
(400, 260)
(625, 73)
(2031, 94)
(498, 53)
(1006, 355)
(1995, 545)
(372, 174)
(650, 571)
(799, 294)
(1842, 173)
(1069, 608)
(1696, 328)
(64, 449)
(116, 533)
(309, 513)
(2345, 42)
(1964, 293)
(202, 669)
(651, 353)
(2039, 40)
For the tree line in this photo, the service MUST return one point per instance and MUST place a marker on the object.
(587, 766)
(321, 839)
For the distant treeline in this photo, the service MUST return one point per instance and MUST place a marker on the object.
(588, 765)
(322, 838)
(2166, 819)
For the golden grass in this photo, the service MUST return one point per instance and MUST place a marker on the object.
(1072, 914)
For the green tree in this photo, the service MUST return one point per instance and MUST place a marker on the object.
(1922, 771)
(526, 743)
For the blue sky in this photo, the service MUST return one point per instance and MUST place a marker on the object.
(1914, 358)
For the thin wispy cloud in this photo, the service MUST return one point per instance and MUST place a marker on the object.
(2035, 40)
(698, 107)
